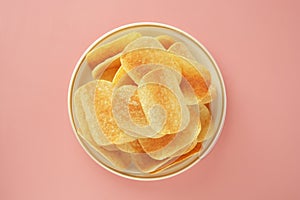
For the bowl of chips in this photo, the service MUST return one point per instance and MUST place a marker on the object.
(147, 101)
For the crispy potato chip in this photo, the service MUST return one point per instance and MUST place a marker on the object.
(139, 57)
(166, 77)
(165, 40)
(100, 54)
(103, 107)
(181, 139)
(185, 149)
(205, 118)
(143, 42)
(131, 147)
(120, 160)
(136, 58)
(180, 159)
(111, 147)
(180, 49)
(122, 113)
(121, 78)
(85, 113)
(210, 96)
(146, 164)
(107, 69)
(155, 144)
(136, 111)
(157, 100)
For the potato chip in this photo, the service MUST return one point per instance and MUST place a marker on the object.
(146, 164)
(139, 57)
(165, 40)
(180, 49)
(123, 108)
(100, 54)
(157, 100)
(210, 96)
(143, 42)
(180, 159)
(181, 139)
(185, 149)
(85, 113)
(103, 107)
(205, 118)
(131, 147)
(120, 160)
(166, 77)
(107, 69)
(136, 58)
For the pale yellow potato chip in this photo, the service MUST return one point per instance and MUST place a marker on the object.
(103, 108)
(100, 54)
(121, 78)
(180, 49)
(146, 164)
(205, 119)
(167, 77)
(181, 139)
(107, 69)
(165, 40)
(157, 100)
(131, 147)
(180, 159)
(86, 115)
(123, 109)
(185, 149)
(119, 160)
(143, 42)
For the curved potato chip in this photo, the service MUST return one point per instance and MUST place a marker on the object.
(106, 121)
(120, 160)
(165, 40)
(100, 54)
(210, 96)
(181, 139)
(85, 113)
(180, 159)
(155, 144)
(191, 73)
(107, 69)
(121, 78)
(166, 77)
(139, 57)
(156, 100)
(143, 42)
(185, 149)
(131, 147)
(205, 119)
(180, 49)
(123, 109)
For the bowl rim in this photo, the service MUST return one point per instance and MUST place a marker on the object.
(158, 25)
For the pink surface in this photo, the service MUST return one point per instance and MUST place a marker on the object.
(256, 44)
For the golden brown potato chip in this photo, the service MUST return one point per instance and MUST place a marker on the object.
(85, 113)
(100, 54)
(165, 40)
(205, 118)
(180, 140)
(120, 160)
(136, 58)
(210, 96)
(139, 57)
(107, 69)
(180, 49)
(103, 107)
(131, 147)
(180, 159)
(143, 42)
(155, 144)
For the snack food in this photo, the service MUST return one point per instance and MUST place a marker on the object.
(148, 108)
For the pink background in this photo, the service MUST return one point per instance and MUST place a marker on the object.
(256, 44)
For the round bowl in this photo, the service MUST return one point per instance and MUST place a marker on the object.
(217, 108)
